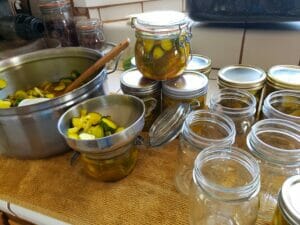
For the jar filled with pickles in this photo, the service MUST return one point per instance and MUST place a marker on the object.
(201, 129)
(240, 106)
(190, 87)
(283, 104)
(283, 77)
(225, 188)
(162, 46)
(288, 207)
(133, 83)
(276, 145)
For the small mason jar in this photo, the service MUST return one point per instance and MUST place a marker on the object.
(201, 129)
(240, 106)
(226, 183)
(58, 19)
(162, 46)
(90, 33)
(281, 77)
(288, 207)
(276, 145)
(133, 83)
(190, 88)
(284, 104)
(199, 63)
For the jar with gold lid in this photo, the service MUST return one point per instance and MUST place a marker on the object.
(162, 46)
(276, 145)
(190, 87)
(225, 187)
(199, 63)
(133, 83)
(288, 207)
(283, 104)
(283, 77)
(240, 106)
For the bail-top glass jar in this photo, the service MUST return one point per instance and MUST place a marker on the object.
(201, 129)
(190, 87)
(276, 145)
(58, 20)
(240, 106)
(284, 104)
(288, 207)
(162, 46)
(226, 183)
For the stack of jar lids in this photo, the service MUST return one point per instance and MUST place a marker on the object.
(284, 77)
(242, 77)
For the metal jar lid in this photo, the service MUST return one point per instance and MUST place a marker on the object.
(289, 200)
(189, 85)
(199, 63)
(133, 82)
(284, 77)
(242, 77)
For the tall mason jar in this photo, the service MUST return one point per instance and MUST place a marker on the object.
(58, 19)
(226, 183)
(162, 46)
(201, 129)
(240, 106)
(276, 145)
(283, 104)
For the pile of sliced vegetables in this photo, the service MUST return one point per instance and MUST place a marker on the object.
(92, 125)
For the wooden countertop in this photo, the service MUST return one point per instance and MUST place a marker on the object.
(55, 188)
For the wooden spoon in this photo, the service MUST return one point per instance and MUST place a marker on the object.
(97, 65)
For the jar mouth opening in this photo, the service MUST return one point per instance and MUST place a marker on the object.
(277, 97)
(238, 192)
(213, 120)
(270, 153)
(233, 102)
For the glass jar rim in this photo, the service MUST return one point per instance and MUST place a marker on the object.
(46, 5)
(273, 154)
(86, 25)
(268, 107)
(238, 94)
(219, 192)
(203, 142)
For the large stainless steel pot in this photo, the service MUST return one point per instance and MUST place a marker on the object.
(30, 131)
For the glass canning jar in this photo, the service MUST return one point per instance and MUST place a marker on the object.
(190, 87)
(284, 104)
(276, 145)
(201, 129)
(226, 183)
(281, 77)
(90, 33)
(199, 63)
(58, 19)
(162, 46)
(288, 207)
(240, 106)
(133, 83)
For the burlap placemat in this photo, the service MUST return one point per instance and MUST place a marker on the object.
(53, 187)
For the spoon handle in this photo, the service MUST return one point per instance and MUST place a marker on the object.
(97, 65)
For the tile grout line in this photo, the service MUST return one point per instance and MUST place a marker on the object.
(242, 45)
(299, 63)
(142, 5)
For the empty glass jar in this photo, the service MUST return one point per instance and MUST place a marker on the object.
(201, 129)
(276, 145)
(240, 106)
(58, 20)
(284, 104)
(226, 183)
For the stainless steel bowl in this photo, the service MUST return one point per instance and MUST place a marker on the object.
(126, 110)
(30, 131)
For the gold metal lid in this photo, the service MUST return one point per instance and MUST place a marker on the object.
(199, 63)
(289, 200)
(242, 77)
(284, 77)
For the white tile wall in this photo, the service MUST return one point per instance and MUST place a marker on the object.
(221, 44)
(268, 47)
(97, 3)
(120, 11)
(162, 5)
(94, 13)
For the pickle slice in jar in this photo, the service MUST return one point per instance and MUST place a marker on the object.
(166, 44)
(148, 45)
(158, 53)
